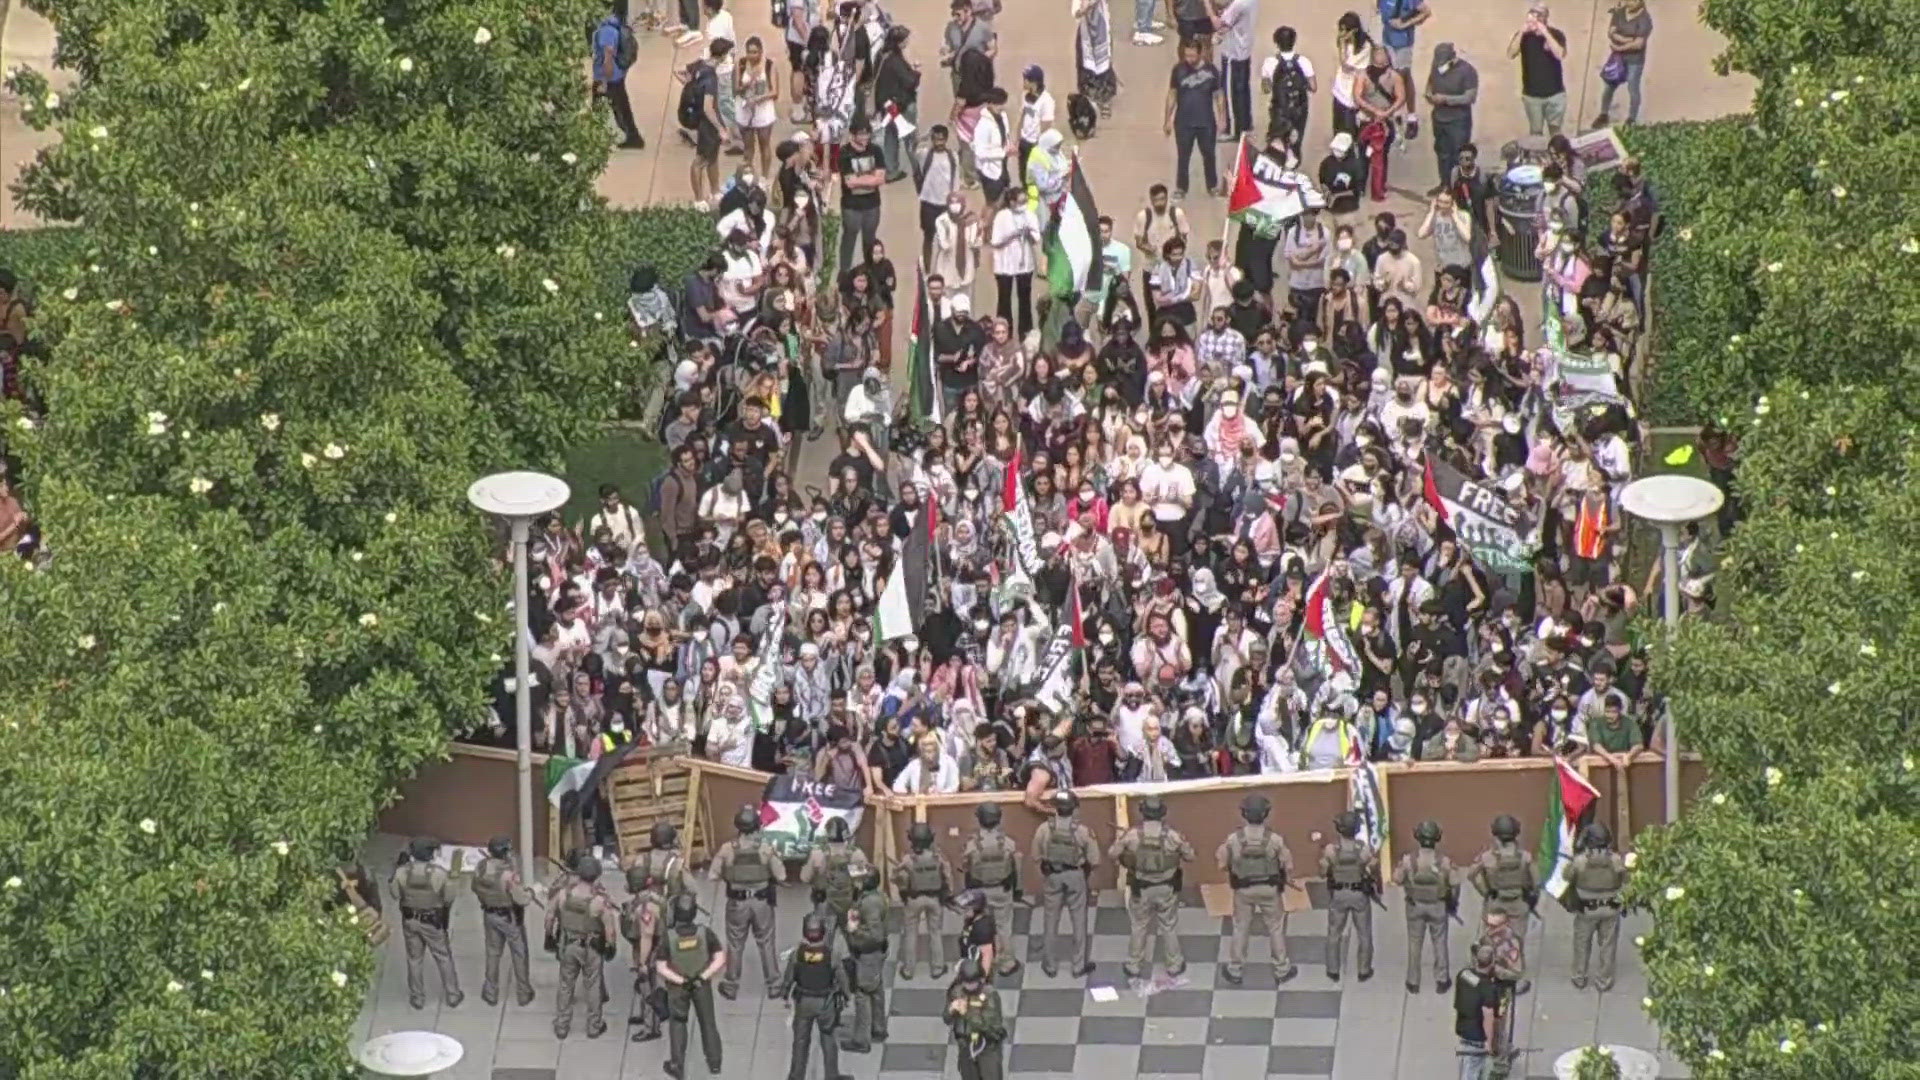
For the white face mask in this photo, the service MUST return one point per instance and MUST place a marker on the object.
(1166, 461)
(1420, 708)
(1566, 247)
(618, 728)
(1345, 243)
(800, 202)
(1550, 186)
(1309, 345)
(1229, 411)
(1559, 714)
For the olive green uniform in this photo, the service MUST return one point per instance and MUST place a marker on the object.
(1153, 853)
(425, 900)
(867, 943)
(815, 981)
(1596, 878)
(1503, 875)
(581, 923)
(750, 868)
(1350, 869)
(1427, 878)
(1257, 864)
(1067, 854)
(653, 879)
(503, 908)
(829, 870)
(924, 881)
(991, 863)
(980, 1031)
(687, 951)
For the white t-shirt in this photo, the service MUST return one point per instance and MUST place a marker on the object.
(1013, 253)
(1036, 116)
(1162, 486)
(721, 26)
(1272, 64)
(1351, 66)
(740, 271)
(990, 145)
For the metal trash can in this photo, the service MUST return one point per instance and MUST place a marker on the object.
(1519, 200)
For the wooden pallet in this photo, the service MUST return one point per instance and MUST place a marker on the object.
(651, 786)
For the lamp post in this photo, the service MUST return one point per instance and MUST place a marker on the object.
(1667, 503)
(520, 497)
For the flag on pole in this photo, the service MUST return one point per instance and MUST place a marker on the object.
(1325, 626)
(1364, 798)
(1266, 203)
(903, 602)
(1570, 803)
(924, 390)
(1076, 620)
(1013, 508)
(767, 674)
(1073, 240)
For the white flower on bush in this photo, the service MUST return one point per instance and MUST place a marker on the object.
(98, 131)
(357, 556)
(1716, 1054)
(206, 974)
(51, 101)
(1632, 859)
(1686, 233)
(14, 882)
(1857, 575)
(1675, 892)
(1788, 1046)
(1775, 267)
(550, 285)
(569, 157)
(281, 847)
(1799, 103)
(174, 986)
(339, 978)
(1840, 95)
(1912, 246)
(483, 616)
(199, 485)
(156, 423)
(149, 826)
(308, 460)
(1707, 970)
(116, 306)
(70, 293)
(1869, 649)
(482, 36)
(406, 63)
(1833, 688)
(392, 517)
(369, 620)
(1774, 776)
(1821, 1027)
(1639, 941)
(599, 316)
(246, 84)
(505, 251)
(1839, 192)
(86, 642)
(1646, 1003)
(219, 607)
(334, 452)
(1906, 762)
(270, 421)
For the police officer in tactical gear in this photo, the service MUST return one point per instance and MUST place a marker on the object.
(1067, 855)
(990, 866)
(1432, 897)
(749, 867)
(1352, 873)
(924, 883)
(866, 930)
(815, 981)
(503, 907)
(979, 1027)
(1596, 876)
(425, 900)
(1257, 864)
(829, 869)
(654, 878)
(1152, 853)
(690, 956)
(581, 929)
(1503, 875)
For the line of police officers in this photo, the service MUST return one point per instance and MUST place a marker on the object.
(842, 955)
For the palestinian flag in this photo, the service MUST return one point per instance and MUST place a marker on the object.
(922, 386)
(1364, 797)
(1265, 204)
(1073, 240)
(1077, 620)
(767, 675)
(1570, 805)
(794, 812)
(1327, 627)
(1500, 536)
(1013, 508)
(903, 602)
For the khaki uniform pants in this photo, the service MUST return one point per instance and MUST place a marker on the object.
(505, 932)
(579, 963)
(1153, 912)
(1065, 891)
(422, 939)
(743, 916)
(1262, 902)
(1427, 919)
(1603, 923)
(924, 919)
(1349, 910)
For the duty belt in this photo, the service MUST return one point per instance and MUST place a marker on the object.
(1248, 883)
(509, 910)
(866, 951)
(915, 894)
(435, 916)
(1058, 868)
(976, 883)
(764, 892)
(1358, 886)
(1591, 905)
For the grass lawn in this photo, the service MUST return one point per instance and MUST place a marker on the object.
(621, 456)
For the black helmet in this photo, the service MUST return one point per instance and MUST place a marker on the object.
(920, 836)
(1427, 833)
(1347, 824)
(813, 928)
(586, 867)
(421, 848)
(1064, 803)
(1596, 836)
(1255, 809)
(1506, 827)
(988, 815)
(664, 834)
(685, 909)
(837, 830)
(971, 973)
(747, 820)
(499, 846)
(1153, 808)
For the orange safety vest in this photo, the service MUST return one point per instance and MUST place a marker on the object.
(1590, 530)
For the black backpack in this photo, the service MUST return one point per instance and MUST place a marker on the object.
(1082, 117)
(1290, 97)
(688, 112)
(780, 13)
(627, 49)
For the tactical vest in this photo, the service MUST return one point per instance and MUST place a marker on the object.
(1063, 850)
(576, 912)
(1425, 883)
(813, 970)
(1349, 864)
(836, 878)
(420, 887)
(687, 951)
(1597, 878)
(654, 875)
(749, 868)
(1251, 860)
(871, 935)
(1508, 875)
(924, 876)
(489, 885)
(1154, 860)
(992, 862)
